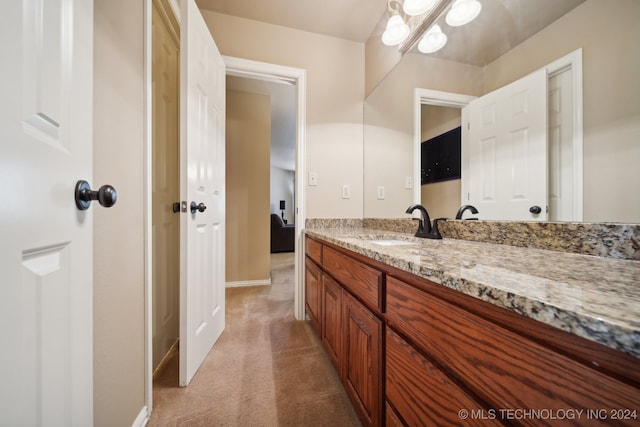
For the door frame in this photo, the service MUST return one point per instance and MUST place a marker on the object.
(571, 61)
(243, 68)
(246, 68)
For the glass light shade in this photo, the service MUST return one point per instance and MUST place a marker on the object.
(417, 7)
(462, 12)
(396, 32)
(433, 40)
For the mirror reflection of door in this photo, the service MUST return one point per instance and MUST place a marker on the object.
(564, 162)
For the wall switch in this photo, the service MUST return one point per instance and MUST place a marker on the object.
(313, 178)
(380, 192)
(408, 182)
(346, 192)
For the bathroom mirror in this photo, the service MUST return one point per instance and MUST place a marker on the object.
(511, 39)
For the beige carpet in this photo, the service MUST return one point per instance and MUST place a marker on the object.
(267, 369)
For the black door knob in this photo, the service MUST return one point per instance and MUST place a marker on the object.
(106, 195)
(535, 210)
(200, 207)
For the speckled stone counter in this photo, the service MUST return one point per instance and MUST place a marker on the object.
(596, 298)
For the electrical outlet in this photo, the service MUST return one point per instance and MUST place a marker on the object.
(313, 178)
(408, 182)
(346, 192)
(380, 192)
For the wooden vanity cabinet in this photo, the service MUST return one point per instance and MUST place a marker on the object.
(350, 324)
(411, 352)
(502, 368)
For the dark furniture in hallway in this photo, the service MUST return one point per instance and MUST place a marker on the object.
(282, 236)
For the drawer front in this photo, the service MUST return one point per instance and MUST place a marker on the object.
(362, 280)
(422, 394)
(313, 249)
(500, 366)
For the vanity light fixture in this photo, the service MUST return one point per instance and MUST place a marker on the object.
(463, 12)
(397, 30)
(433, 40)
(417, 7)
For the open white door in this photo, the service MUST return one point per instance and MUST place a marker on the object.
(506, 150)
(202, 184)
(46, 295)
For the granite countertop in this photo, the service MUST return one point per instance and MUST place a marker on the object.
(593, 297)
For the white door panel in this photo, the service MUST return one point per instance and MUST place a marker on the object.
(507, 151)
(202, 181)
(46, 252)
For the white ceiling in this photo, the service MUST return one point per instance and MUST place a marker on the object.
(345, 19)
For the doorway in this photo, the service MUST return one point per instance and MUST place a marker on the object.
(266, 72)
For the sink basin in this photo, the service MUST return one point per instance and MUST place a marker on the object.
(391, 242)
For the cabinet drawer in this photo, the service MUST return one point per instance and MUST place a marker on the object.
(501, 367)
(422, 394)
(362, 280)
(313, 249)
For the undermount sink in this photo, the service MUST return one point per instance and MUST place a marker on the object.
(391, 242)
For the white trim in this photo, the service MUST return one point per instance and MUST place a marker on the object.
(241, 283)
(573, 61)
(142, 419)
(272, 72)
(147, 207)
(440, 99)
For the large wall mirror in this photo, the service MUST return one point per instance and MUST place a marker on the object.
(509, 40)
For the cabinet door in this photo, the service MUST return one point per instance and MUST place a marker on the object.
(332, 319)
(362, 360)
(422, 394)
(312, 290)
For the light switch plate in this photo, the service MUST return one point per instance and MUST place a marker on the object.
(408, 182)
(313, 178)
(380, 192)
(346, 191)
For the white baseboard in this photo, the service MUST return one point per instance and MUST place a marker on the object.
(266, 282)
(142, 419)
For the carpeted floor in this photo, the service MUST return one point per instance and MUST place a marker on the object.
(267, 369)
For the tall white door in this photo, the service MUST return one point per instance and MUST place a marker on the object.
(46, 250)
(202, 182)
(506, 150)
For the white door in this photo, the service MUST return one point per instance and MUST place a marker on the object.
(506, 150)
(202, 182)
(46, 250)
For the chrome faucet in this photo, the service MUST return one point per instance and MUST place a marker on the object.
(464, 208)
(424, 224)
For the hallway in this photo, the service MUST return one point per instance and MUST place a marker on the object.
(267, 369)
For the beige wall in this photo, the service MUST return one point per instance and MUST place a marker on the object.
(442, 199)
(118, 255)
(248, 227)
(335, 90)
(608, 33)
